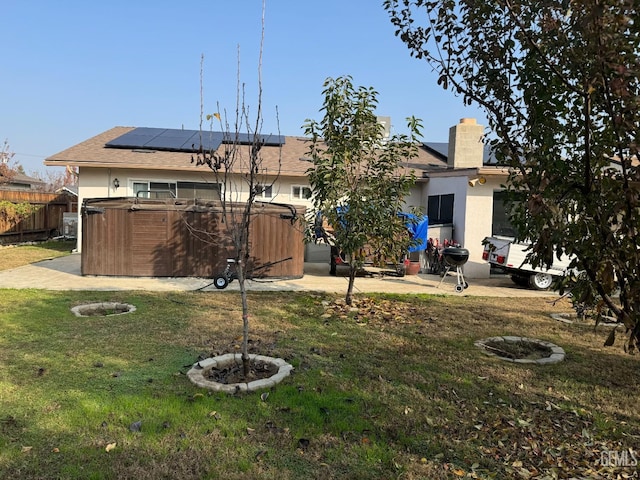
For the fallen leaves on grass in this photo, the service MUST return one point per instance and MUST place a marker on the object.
(534, 440)
(519, 436)
(235, 373)
(369, 310)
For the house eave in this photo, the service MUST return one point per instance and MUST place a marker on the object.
(466, 172)
(494, 171)
(450, 172)
(173, 168)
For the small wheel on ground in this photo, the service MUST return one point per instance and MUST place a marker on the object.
(459, 288)
(221, 282)
(466, 285)
(540, 281)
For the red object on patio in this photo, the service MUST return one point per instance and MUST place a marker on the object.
(411, 268)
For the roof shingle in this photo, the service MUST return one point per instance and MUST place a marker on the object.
(292, 156)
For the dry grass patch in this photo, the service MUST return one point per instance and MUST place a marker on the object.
(18, 255)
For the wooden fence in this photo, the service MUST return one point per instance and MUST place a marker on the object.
(44, 222)
(184, 238)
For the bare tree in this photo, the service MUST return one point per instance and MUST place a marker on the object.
(238, 168)
(54, 180)
(7, 168)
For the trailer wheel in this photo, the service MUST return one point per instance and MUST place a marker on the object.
(221, 282)
(540, 281)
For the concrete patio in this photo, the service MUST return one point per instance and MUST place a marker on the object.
(63, 273)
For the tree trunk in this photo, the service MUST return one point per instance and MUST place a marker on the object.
(352, 278)
(245, 319)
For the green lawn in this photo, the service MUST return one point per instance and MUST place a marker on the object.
(393, 390)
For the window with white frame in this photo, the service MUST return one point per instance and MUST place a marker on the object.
(202, 190)
(300, 192)
(141, 189)
(144, 189)
(264, 191)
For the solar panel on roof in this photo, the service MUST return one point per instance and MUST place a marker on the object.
(209, 140)
(275, 140)
(269, 140)
(439, 147)
(176, 140)
(169, 139)
(136, 138)
(247, 138)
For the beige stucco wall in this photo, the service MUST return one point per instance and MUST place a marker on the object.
(92, 183)
(415, 198)
(456, 185)
(472, 216)
(477, 226)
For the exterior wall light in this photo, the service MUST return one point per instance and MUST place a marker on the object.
(116, 183)
(479, 180)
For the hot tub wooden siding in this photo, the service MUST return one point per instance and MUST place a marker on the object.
(184, 238)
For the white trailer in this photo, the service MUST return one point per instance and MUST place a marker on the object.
(506, 254)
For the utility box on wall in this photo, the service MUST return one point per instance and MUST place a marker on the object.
(186, 238)
(70, 224)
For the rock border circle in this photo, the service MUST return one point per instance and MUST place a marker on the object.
(197, 373)
(79, 310)
(567, 318)
(557, 353)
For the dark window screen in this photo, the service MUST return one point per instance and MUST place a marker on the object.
(440, 208)
(205, 191)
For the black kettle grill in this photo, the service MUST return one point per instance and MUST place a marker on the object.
(456, 257)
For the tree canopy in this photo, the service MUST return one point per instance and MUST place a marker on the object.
(357, 178)
(558, 80)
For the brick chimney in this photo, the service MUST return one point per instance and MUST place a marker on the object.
(385, 121)
(466, 148)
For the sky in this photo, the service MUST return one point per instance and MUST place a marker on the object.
(73, 69)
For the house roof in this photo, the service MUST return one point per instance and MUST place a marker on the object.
(17, 178)
(292, 156)
(70, 189)
(634, 161)
(438, 148)
(441, 149)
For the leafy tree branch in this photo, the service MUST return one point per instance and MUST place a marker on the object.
(559, 83)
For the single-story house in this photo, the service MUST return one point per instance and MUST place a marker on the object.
(456, 185)
(19, 181)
